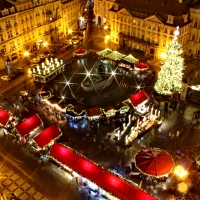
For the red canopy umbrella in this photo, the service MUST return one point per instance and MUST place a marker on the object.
(154, 162)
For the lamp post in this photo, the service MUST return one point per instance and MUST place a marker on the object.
(70, 33)
(27, 55)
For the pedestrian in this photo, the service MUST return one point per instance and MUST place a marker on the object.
(4, 134)
(76, 178)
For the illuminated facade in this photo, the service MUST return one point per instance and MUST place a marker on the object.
(145, 25)
(193, 44)
(26, 24)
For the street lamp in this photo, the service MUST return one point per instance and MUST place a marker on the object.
(45, 44)
(180, 171)
(26, 53)
(70, 32)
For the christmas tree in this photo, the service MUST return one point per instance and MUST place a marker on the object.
(170, 75)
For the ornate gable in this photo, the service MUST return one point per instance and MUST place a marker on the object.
(154, 19)
(124, 12)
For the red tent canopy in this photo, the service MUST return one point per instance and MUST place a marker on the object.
(4, 117)
(154, 161)
(105, 179)
(46, 136)
(141, 65)
(94, 112)
(138, 98)
(80, 51)
(28, 125)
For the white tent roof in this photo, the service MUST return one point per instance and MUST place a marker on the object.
(130, 59)
(104, 52)
(115, 56)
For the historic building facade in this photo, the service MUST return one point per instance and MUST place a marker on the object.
(193, 43)
(144, 25)
(25, 25)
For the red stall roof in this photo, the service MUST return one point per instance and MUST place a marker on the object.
(4, 117)
(46, 136)
(28, 125)
(105, 179)
(138, 98)
(93, 112)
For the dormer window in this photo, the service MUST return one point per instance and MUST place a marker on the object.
(170, 19)
(116, 7)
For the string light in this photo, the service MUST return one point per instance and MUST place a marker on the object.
(170, 75)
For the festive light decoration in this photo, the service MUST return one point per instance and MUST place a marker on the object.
(170, 75)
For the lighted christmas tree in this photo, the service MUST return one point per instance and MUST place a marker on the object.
(170, 75)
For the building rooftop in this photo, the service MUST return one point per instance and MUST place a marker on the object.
(160, 8)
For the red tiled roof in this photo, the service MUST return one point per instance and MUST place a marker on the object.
(138, 98)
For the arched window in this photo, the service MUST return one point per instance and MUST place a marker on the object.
(195, 24)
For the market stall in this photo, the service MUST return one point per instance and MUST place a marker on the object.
(115, 56)
(29, 127)
(106, 180)
(94, 114)
(80, 52)
(48, 70)
(140, 102)
(6, 119)
(141, 67)
(122, 110)
(154, 162)
(109, 112)
(104, 52)
(127, 64)
(194, 89)
(76, 113)
(47, 137)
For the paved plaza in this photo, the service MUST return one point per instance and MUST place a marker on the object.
(52, 182)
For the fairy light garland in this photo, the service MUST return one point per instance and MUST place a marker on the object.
(170, 75)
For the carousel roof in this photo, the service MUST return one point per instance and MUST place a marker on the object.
(4, 117)
(104, 52)
(47, 136)
(28, 125)
(115, 56)
(130, 59)
(110, 182)
(138, 98)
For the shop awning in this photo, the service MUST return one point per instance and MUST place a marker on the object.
(48, 135)
(138, 98)
(104, 52)
(105, 179)
(130, 59)
(28, 125)
(93, 112)
(115, 56)
(4, 117)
